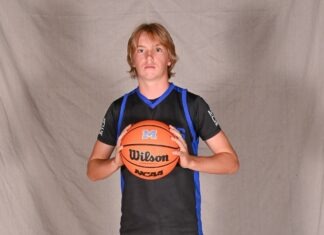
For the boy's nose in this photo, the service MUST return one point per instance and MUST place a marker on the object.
(149, 55)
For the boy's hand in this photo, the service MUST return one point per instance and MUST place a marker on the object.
(118, 160)
(184, 157)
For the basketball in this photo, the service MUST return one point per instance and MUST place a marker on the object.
(147, 150)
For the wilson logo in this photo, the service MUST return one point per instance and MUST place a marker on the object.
(149, 134)
(146, 156)
(148, 174)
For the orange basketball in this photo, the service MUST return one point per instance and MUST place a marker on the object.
(147, 150)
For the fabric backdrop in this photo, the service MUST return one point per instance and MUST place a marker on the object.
(258, 63)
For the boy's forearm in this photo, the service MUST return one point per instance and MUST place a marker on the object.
(221, 163)
(101, 168)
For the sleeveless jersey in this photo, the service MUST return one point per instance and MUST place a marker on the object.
(170, 205)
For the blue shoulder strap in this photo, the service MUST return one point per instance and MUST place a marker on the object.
(121, 114)
(119, 124)
(193, 133)
(120, 120)
(195, 142)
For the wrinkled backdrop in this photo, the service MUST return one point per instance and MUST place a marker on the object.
(258, 63)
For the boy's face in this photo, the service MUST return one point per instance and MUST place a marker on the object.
(151, 59)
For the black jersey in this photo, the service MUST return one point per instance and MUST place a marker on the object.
(170, 205)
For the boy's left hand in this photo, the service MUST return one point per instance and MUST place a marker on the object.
(184, 156)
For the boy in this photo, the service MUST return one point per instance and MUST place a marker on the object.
(171, 205)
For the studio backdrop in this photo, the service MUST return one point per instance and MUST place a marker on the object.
(258, 63)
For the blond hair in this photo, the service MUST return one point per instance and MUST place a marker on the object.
(155, 31)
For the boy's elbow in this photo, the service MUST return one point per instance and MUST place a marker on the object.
(91, 174)
(231, 164)
(91, 177)
(235, 166)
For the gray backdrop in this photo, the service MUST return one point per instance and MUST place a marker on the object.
(258, 63)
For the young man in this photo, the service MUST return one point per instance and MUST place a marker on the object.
(171, 205)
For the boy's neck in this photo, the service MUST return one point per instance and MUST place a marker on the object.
(153, 89)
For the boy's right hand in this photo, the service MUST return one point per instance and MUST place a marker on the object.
(118, 160)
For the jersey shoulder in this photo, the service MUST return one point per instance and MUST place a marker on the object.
(203, 118)
(195, 101)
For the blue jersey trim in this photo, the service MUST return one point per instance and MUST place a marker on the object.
(194, 144)
(120, 119)
(189, 121)
(153, 104)
(119, 124)
(121, 114)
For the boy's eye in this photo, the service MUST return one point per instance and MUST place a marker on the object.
(140, 50)
(158, 49)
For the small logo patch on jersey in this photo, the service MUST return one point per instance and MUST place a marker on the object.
(149, 134)
(212, 116)
(182, 132)
(102, 126)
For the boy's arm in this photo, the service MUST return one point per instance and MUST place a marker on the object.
(100, 165)
(223, 160)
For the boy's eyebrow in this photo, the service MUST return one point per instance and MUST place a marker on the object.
(158, 44)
